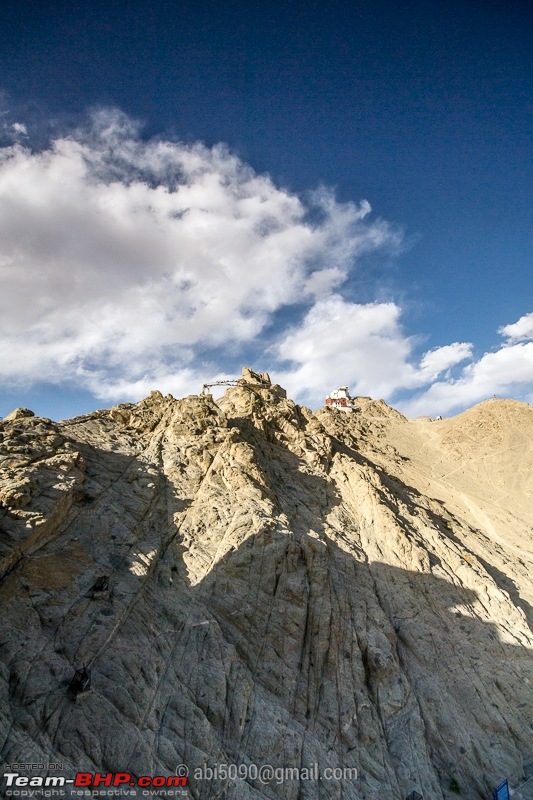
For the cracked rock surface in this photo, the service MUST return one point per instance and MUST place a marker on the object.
(279, 587)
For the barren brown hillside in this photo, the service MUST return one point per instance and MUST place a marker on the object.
(281, 588)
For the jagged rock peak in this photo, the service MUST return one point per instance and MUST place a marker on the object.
(261, 378)
(18, 413)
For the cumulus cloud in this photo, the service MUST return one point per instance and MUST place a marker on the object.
(507, 371)
(520, 330)
(362, 345)
(120, 259)
(126, 264)
(343, 342)
(365, 347)
(436, 361)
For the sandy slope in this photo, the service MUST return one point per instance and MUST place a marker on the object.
(480, 465)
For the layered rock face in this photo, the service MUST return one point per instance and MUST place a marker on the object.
(280, 587)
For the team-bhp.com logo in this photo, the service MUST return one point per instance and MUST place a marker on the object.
(90, 780)
(18, 785)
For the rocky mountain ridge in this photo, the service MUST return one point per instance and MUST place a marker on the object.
(282, 588)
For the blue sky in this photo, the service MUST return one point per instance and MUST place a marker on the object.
(334, 192)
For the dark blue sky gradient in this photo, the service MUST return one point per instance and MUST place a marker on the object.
(423, 108)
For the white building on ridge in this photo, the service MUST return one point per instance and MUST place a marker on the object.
(340, 399)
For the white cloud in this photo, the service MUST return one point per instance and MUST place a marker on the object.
(520, 330)
(364, 346)
(436, 361)
(507, 371)
(123, 262)
(323, 281)
(120, 258)
(340, 342)
(19, 129)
